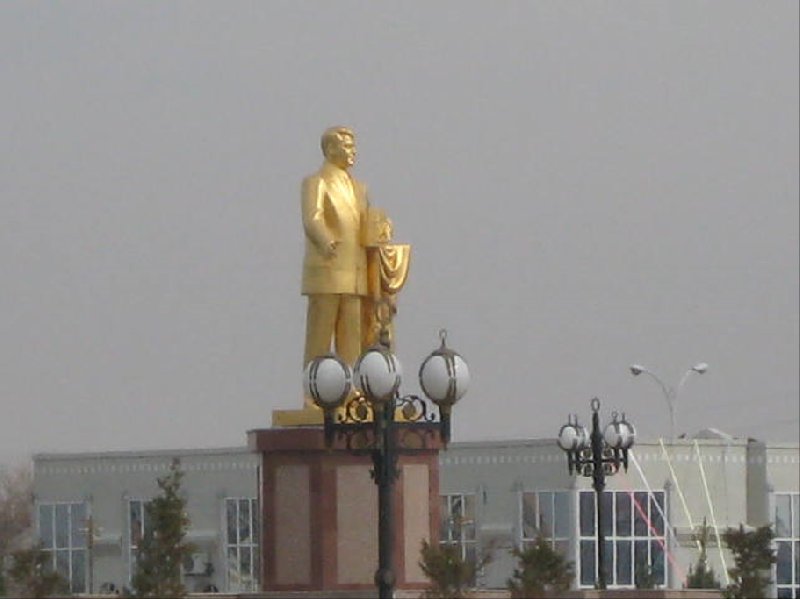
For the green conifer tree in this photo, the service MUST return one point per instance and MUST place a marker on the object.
(540, 569)
(31, 575)
(701, 576)
(753, 557)
(450, 576)
(163, 547)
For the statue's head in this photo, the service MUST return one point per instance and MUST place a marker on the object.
(339, 146)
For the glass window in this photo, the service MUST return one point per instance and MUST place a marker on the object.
(783, 567)
(587, 514)
(624, 549)
(62, 533)
(796, 515)
(787, 544)
(530, 507)
(62, 525)
(561, 515)
(588, 563)
(634, 533)
(783, 515)
(656, 513)
(623, 513)
(78, 524)
(46, 525)
(242, 546)
(607, 505)
(546, 513)
(640, 513)
(459, 527)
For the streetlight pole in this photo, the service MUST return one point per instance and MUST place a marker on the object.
(670, 393)
(597, 455)
(374, 418)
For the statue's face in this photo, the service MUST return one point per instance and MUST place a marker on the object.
(342, 152)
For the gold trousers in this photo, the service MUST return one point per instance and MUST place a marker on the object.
(337, 317)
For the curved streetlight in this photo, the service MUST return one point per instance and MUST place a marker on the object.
(363, 408)
(670, 393)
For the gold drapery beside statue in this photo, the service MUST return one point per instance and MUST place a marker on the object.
(387, 271)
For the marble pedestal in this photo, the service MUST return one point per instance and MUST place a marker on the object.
(319, 513)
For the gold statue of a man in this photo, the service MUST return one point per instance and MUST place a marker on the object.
(352, 271)
(335, 213)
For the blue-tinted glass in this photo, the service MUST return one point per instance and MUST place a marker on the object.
(529, 524)
(785, 593)
(135, 513)
(608, 560)
(796, 515)
(561, 508)
(62, 526)
(468, 520)
(623, 515)
(640, 514)
(62, 563)
(657, 561)
(624, 562)
(656, 512)
(456, 515)
(78, 524)
(587, 513)
(246, 566)
(444, 518)
(46, 526)
(234, 577)
(546, 514)
(783, 567)
(256, 530)
(797, 562)
(231, 519)
(641, 560)
(587, 563)
(244, 521)
(607, 499)
(78, 582)
(783, 515)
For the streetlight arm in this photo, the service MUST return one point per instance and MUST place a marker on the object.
(669, 392)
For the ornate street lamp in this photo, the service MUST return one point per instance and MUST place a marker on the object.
(375, 419)
(597, 455)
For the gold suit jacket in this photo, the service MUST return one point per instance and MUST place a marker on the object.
(334, 207)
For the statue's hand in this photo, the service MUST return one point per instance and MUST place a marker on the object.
(330, 250)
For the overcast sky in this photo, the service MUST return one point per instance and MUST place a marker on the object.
(585, 185)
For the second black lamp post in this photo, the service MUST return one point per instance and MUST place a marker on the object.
(597, 455)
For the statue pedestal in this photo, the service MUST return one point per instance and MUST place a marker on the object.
(319, 513)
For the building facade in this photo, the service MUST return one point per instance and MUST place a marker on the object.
(90, 515)
(493, 496)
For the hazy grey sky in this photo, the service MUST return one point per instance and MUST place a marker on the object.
(585, 185)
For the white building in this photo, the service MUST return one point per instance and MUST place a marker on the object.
(495, 495)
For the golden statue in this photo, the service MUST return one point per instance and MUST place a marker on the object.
(334, 208)
(351, 270)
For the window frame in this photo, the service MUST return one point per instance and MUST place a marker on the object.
(556, 540)
(252, 546)
(468, 546)
(792, 541)
(72, 548)
(130, 547)
(614, 540)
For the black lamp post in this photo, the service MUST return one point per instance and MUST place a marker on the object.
(597, 455)
(374, 419)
